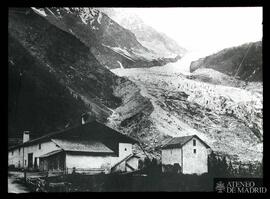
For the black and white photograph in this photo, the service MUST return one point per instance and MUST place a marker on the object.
(135, 99)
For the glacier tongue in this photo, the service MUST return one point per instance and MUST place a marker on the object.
(229, 119)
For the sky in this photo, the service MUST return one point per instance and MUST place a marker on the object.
(205, 29)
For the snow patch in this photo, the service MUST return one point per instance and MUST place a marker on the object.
(99, 17)
(121, 51)
(121, 66)
(71, 31)
(67, 9)
(39, 11)
(83, 20)
(85, 15)
(51, 12)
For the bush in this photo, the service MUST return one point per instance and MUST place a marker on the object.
(219, 167)
(150, 166)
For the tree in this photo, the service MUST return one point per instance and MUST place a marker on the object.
(218, 167)
(224, 167)
(231, 170)
(141, 164)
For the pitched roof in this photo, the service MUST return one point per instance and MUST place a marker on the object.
(82, 146)
(50, 153)
(178, 142)
(93, 128)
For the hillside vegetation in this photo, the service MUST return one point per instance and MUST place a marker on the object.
(243, 61)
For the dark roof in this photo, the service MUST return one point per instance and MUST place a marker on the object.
(82, 146)
(178, 142)
(91, 129)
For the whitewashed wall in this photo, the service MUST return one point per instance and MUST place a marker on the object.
(195, 162)
(46, 147)
(125, 149)
(21, 156)
(171, 156)
(78, 161)
(15, 158)
(86, 161)
(120, 167)
(134, 163)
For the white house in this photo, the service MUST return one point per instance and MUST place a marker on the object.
(91, 147)
(190, 152)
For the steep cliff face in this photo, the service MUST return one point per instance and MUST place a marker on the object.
(243, 61)
(111, 44)
(54, 77)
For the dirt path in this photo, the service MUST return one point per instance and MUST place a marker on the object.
(15, 187)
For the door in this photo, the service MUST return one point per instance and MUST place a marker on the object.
(30, 160)
(35, 163)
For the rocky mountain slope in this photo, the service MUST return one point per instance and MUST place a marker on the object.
(111, 44)
(229, 119)
(55, 78)
(60, 76)
(158, 42)
(36, 97)
(243, 61)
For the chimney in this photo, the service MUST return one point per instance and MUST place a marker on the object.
(87, 117)
(26, 136)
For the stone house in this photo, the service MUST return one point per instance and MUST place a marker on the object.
(89, 148)
(189, 152)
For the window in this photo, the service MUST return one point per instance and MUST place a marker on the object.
(194, 142)
(39, 146)
(19, 150)
(11, 152)
(125, 149)
(194, 150)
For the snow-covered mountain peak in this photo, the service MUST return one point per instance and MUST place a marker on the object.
(154, 40)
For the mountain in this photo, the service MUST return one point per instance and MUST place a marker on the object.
(158, 42)
(54, 77)
(212, 76)
(111, 44)
(244, 62)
